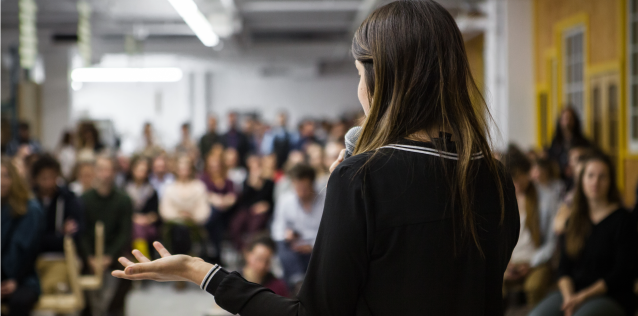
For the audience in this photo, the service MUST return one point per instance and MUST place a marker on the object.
(258, 255)
(145, 205)
(236, 173)
(107, 204)
(66, 155)
(296, 223)
(161, 177)
(254, 206)
(598, 256)
(236, 139)
(568, 134)
(278, 141)
(23, 141)
(184, 208)
(63, 216)
(84, 175)
(536, 242)
(186, 146)
(209, 139)
(22, 226)
(221, 197)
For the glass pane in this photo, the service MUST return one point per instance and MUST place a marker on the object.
(634, 32)
(634, 96)
(613, 117)
(634, 63)
(634, 127)
(634, 5)
(596, 115)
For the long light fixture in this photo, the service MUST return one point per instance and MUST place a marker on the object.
(126, 74)
(188, 10)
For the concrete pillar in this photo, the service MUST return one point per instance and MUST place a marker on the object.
(56, 94)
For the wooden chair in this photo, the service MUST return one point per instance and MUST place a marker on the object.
(94, 282)
(66, 303)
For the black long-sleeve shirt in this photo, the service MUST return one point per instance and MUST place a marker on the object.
(62, 207)
(610, 253)
(386, 244)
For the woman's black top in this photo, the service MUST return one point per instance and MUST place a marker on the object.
(610, 253)
(386, 244)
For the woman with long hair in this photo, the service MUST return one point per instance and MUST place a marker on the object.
(567, 134)
(421, 219)
(145, 204)
(22, 228)
(536, 243)
(598, 256)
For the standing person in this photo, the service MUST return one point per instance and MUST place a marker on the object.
(568, 134)
(296, 223)
(161, 177)
(221, 197)
(598, 257)
(529, 264)
(278, 140)
(107, 204)
(23, 139)
(66, 155)
(236, 173)
(22, 226)
(84, 175)
(209, 139)
(236, 139)
(148, 146)
(184, 208)
(258, 255)
(186, 146)
(63, 217)
(421, 219)
(306, 135)
(254, 207)
(89, 143)
(145, 205)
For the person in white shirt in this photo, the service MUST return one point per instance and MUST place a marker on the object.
(296, 223)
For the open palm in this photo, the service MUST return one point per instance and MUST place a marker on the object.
(168, 268)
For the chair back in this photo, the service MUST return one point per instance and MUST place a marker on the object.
(73, 271)
(99, 251)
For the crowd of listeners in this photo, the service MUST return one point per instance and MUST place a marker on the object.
(255, 189)
(261, 189)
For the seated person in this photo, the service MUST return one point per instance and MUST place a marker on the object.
(145, 205)
(184, 208)
(296, 223)
(598, 256)
(22, 227)
(536, 243)
(63, 216)
(111, 206)
(258, 256)
(254, 206)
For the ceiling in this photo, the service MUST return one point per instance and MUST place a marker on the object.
(249, 27)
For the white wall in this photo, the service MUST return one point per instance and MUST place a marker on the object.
(243, 89)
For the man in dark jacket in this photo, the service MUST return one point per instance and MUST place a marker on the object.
(63, 216)
(234, 138)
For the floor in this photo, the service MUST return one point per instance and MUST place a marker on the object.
(162, 299)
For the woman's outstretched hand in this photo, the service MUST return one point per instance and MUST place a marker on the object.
(167, 268)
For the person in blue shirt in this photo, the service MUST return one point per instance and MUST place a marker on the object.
(22, 226)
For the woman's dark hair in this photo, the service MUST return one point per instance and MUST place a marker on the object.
(137, 159)
(516, 164)
(579, 224)
(45, 161)
(577, 134)
(418, 78)
(302, 171)
(261, 239)
(67, 138)
(548, 165)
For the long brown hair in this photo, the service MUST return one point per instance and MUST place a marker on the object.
(418, 78)
(516, 163)
(579, 223)
(19, 193)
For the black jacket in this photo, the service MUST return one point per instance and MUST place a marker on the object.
(386, 244)
(70, 208)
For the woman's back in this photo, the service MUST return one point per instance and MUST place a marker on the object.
(392, 239)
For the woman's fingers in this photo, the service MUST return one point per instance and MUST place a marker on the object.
(160, 248)
(142, 276)
(125, 262)
(139, 256)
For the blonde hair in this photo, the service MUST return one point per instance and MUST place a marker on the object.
(19, 193)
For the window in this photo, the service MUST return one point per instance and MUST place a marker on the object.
(574, 70)
(542, 99)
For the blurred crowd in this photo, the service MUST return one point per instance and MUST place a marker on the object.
(256, 189)
(261, 190)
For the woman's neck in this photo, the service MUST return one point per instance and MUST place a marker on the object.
(427, 135)
(598, 205)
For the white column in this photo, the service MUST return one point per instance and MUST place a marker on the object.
(56, 95)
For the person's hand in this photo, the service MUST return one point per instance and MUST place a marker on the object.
(290, 235)
(8, 287)
(342, 155)
(70, 227)
(260, 208)
(571, 303)
(140, 219)
(303, 249)
(106, 261)
(168, 268)
(523, 269)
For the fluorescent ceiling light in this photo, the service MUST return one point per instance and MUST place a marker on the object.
(188, 10)
(126, 74)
